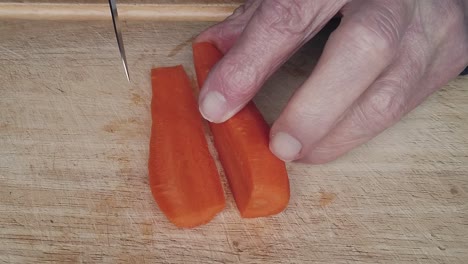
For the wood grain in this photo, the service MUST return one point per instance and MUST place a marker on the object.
(73, 164)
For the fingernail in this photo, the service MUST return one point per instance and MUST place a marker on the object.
(213, 107)
(285, 146)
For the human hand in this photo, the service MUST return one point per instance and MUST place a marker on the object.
(382, 61)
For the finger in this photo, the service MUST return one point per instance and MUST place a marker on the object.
(225, 34)
(275, 31)
(354, 56)
(381, 106)
(414, 76)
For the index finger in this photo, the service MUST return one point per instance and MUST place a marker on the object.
(275, 31)
(356, 53)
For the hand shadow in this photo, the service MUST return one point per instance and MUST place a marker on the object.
(276, 92)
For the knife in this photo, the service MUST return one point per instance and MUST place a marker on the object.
(118, 35)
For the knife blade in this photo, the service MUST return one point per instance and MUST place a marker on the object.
(118, 35)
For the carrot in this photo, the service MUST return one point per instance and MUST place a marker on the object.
(258, 179)
(183, 177)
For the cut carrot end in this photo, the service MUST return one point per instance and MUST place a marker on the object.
(183, 177)
(258, 179)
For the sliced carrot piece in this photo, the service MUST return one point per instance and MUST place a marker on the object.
(183, 176)
(258, 179)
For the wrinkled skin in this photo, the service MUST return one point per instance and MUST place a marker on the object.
(382, 61)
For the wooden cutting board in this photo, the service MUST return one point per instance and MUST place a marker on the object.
(73, 164)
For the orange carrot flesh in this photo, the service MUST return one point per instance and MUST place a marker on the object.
(258, 179)
(183, 177)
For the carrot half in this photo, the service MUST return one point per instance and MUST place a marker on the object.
(258, 179)
(183, 177)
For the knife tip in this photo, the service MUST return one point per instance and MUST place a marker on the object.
(128, 77)
(126, 70)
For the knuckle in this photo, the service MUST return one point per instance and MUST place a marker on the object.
(244, 11)
(237, 80)
(285, 17)
(371, 39)
(380, 34)
(237, 12)
(383, 108)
